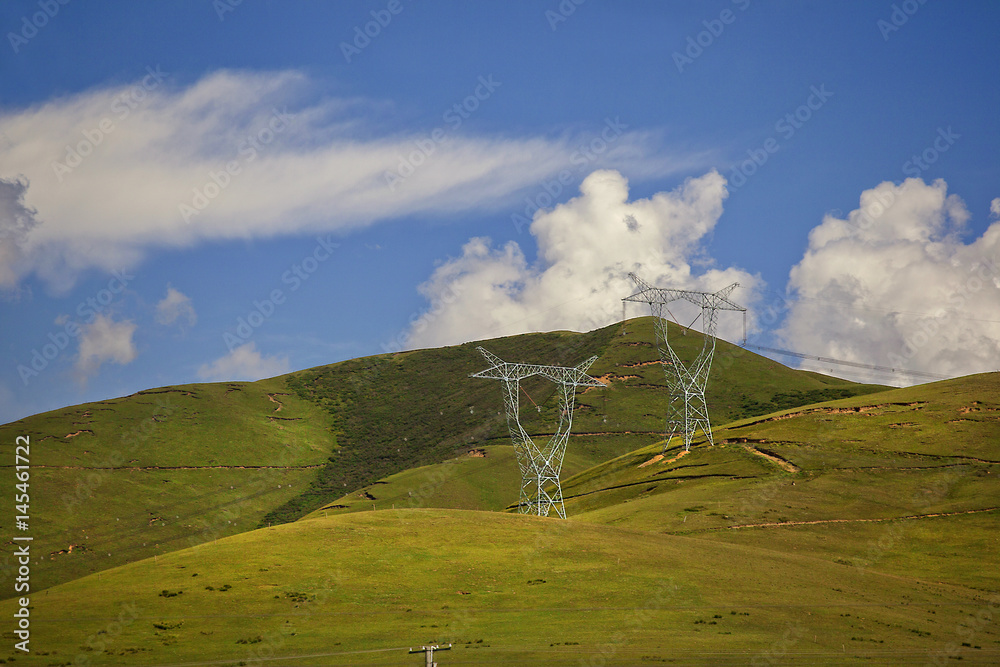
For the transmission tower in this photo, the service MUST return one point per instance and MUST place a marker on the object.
(540, 466)
(687, 410)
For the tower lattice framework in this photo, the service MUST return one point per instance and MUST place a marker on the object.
(687, 410)
(540, 465)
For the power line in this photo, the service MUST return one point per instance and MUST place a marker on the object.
(875, 309)
(855, 364)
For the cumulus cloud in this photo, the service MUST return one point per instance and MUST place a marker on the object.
(894, 284)
(995, 207)
(104, 340)
(16, 221)
(244, 363)
(586, 248)
(117, 170)
(175, 306)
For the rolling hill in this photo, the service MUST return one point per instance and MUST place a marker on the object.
(125, 479)
(856, 530)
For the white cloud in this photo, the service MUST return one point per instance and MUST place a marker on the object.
(313, 166)
(175, 305)
(895, 285)
(104, 340)
(995, 207)
(16, 221)
(244, 363)
(586, 248)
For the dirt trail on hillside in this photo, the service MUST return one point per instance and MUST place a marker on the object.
(640, 363)
(774, 458)
(274, 400)
(863, 410)
(819, 521)
(660, 456)
(309, 467)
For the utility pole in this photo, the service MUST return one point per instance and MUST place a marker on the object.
(428, 652)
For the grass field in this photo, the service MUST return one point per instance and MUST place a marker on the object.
(857, 530)
(364, 587)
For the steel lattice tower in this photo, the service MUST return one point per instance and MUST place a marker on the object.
(687, 410)
(540, 466)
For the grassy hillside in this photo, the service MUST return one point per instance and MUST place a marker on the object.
(360, 589)
(452, 412)
(124, 479)
(858, 530)
(399, 411)
(906, 481)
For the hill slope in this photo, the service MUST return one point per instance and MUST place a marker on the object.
(425, 401)
(361, 589)
(905, 481)
(855, 531)
(121, 480)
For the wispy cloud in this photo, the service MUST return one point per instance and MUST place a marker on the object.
(175, 306)
(240, 154)
(102, 341)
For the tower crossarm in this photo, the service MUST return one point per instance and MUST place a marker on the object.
(720, 300)
(576, 376)
(503, 370)
(649, 294)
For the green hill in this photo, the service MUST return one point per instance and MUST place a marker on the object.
(124, 479)
(905, 481)
(857, 530)
(360, 589)
(121, 480)
(626, 415)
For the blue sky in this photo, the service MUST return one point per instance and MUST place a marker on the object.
(838, 159)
